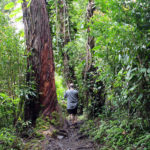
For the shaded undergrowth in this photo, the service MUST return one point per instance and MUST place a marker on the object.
(118, 133)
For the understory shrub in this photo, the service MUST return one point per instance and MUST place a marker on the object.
(118, 134)
(9, 139)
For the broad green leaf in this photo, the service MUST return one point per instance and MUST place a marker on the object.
(18, 19)
(15, 12)
(143, 70)
(13, 15)
(20, 1)
(29, 2)
(9, 6)
(148, 70)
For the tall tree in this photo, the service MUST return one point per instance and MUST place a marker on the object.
(90, 42)
(39, 44)
(89, 45)
(90, 71)
(64, 37)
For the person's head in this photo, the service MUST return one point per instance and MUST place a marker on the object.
(71, 85)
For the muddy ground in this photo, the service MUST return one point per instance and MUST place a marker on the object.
(70, 138)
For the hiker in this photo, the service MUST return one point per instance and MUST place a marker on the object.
(72, 102)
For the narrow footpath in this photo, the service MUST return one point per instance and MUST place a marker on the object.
(70, 138)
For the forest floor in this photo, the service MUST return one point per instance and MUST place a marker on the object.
(69, 138)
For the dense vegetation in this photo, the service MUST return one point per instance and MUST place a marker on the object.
(12, 77)
(106, 49)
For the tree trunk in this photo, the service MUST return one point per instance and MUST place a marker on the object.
(90, 81)
(90, 42)
(40, 60)
(89, 46)
(64, 36)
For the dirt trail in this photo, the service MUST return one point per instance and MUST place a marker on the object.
(70, 138)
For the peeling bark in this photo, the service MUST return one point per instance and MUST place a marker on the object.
(39, 44)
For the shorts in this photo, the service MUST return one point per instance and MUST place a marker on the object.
(72, 111)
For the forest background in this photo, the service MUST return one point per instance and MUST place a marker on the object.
(103, 47)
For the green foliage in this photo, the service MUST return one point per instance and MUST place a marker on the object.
(42, 124)
(9, 6)
(12, 79)
(7, 110)
(59, 87)
(116, 134)
(24, 129)
(12, 58)
(143, 141)
(12, 66)
(9, 139)
(120, 70)
(56, 119)
(87, 127)
(121, 55)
